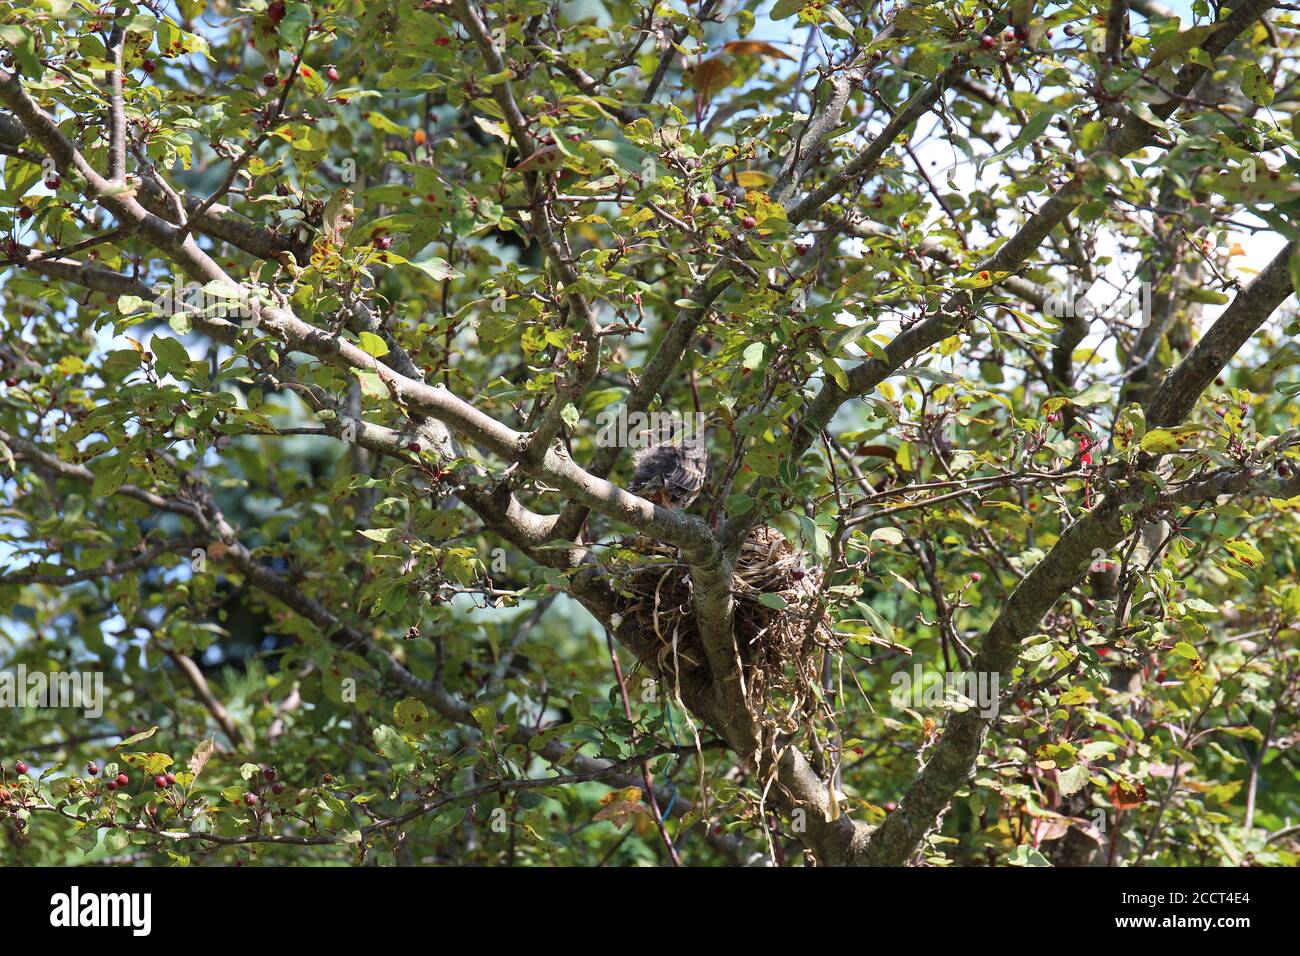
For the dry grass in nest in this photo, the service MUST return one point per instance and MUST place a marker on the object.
(775, 596)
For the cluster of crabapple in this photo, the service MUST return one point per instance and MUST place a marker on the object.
(1011, 42)
(701, 201)
(269, 774)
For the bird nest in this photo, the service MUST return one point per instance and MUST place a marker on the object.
(777, 620)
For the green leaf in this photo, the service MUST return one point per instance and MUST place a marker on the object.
(372, 344)
(120, 363)
(884, 630)
(1160, 441)
(1245, 552)
(737, 504)
(891, 536)
(136, 738)
(837, 374)
(1075, 696)
(1025, 855)
(1255, 84)
(784, 9)
(839, 20)
(1090, 135)
(1130, 426)
(1097, 748)
(1207, 296)
(437, 268)
(110, 477)
(150, 763)
(1179, 43)
(411, 715)
(169, 354)
(1098, 393)
(1072, 780)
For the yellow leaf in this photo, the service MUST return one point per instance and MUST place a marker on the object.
(626, 795)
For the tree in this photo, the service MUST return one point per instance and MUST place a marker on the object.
(328, 329)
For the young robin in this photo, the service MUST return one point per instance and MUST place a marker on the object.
(672, 468)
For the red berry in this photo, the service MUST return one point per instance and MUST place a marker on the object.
(414, 446)
(112, 785)
(328, 778)
(20, 767)
(92, 769)
(383, 242)
(749, 222)
(11, 382)
(269, 80)
(123, 780)
(149, 66)
(24, 212)
(171, 779)
(1022, 33)
(987, 42)
(268, 773)
(1009, 36)
(250, 799)
(53, 181)
(705, 199)
(332, 74)
(975, 576)
(160, 781)
(728, 202)
(277, 788)
(276, 11)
